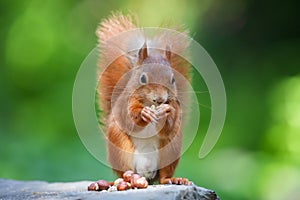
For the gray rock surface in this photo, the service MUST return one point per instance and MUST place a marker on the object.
(11, 189)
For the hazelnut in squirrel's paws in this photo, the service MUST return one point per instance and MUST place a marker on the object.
(148, 115)
(154, 114)
(143, 111)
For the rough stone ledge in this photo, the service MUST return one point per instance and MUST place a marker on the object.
(12, 189)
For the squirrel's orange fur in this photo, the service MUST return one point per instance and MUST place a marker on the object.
(136, 72)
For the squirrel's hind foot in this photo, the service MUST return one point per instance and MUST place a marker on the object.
(176, 181)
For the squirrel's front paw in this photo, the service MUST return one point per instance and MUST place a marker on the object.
(148, 115)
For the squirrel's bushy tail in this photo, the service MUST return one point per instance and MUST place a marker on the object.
(119, 41)
(113, 63)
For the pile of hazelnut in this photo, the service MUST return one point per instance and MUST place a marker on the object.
(130, 180)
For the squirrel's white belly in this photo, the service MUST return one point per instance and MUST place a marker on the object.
(146, 145)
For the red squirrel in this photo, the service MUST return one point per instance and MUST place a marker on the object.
(139, 91)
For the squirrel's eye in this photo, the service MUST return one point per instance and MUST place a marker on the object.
(143, 79)
(173, 80)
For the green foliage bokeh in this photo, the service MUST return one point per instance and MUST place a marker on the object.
(255, 45)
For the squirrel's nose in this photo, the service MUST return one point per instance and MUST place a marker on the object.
(158, 100)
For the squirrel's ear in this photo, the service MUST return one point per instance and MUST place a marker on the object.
(168, 53)
(143, 54)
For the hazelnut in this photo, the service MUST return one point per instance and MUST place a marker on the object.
(103, 185)
(122, 185)
(141, 183)
(127, 175)
(133, 179)
(155, 109)
(117, 181)
(93, 187)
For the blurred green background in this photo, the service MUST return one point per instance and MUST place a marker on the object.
(255, 44)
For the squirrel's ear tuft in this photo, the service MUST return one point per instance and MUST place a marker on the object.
(168, 53)
(143, 54)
